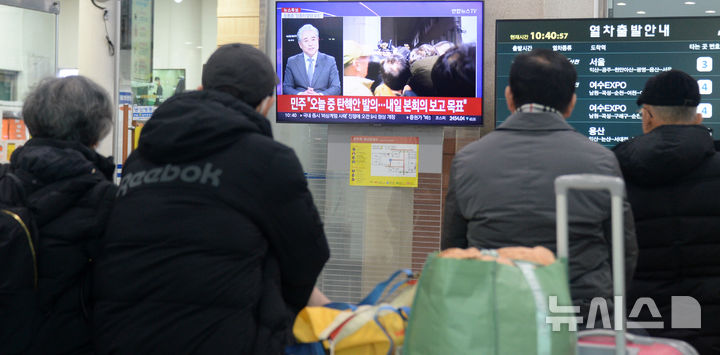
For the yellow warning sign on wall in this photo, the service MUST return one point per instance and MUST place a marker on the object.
(384, 161)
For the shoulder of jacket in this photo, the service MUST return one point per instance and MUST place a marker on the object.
(262, 145)
(710, 168)
(485, 142)
(326, 56)
(97, 183)
(279, 148)
(101, 196)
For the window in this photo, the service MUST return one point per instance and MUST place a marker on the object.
(8, 85)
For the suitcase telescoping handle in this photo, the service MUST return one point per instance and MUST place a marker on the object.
(616, 186)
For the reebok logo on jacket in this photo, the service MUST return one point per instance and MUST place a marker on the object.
(171, 173)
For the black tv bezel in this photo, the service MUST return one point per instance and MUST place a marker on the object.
(479, 47)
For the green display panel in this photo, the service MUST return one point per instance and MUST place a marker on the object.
(614, 58)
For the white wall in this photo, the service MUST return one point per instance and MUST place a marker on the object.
(93, 58)
(68, 34)
(10, 22)
(38, 36)
(185, 34)
(27, 44)
(208, 29)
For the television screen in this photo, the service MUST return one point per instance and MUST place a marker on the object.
(614, 58)
(380, 62)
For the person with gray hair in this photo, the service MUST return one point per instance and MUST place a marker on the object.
(67, 186)
(672, 174)
(70, 109)
(311, 72)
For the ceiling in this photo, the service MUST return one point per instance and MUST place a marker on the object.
(662, 8)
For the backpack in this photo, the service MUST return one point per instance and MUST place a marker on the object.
(20, 314)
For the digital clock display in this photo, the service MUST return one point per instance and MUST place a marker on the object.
(551, 35)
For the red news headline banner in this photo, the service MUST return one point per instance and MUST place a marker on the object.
(471, 106)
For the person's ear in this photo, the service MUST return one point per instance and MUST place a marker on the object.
(698, 118)
(648, 120)
(265, 105)
(568, 111)
(510, 99)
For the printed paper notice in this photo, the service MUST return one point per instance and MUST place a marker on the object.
(384, 161)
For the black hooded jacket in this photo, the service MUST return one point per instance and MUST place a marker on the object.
(215, 242)
(673, 184)
(68, 189)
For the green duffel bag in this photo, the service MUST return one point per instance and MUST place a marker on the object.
(469, 306)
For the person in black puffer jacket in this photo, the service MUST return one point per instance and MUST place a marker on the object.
(215, 243)
(67, 186)
(673, 182)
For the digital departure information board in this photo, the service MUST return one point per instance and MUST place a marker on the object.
(614, 58)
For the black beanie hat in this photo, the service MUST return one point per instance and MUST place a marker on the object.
(243, 68)
(670, 88)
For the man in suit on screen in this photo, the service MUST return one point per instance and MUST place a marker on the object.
(311, 72)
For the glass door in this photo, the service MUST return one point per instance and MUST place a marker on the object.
(28, 54)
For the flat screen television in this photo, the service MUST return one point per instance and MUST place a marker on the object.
(383, 54)
(614, 57)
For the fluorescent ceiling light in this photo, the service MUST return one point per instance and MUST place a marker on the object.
(178, 1)
(641, 12)
(689, 2)
(709, 11)
(621, 4)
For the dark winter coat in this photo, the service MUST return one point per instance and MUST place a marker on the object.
(68, 188)
(214, 243)
(501, 194)
(673, 183)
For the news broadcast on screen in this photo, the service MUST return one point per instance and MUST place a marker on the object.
(380, 62)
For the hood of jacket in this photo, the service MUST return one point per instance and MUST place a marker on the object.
(664, 154)
(45, 160)
(55, 174)
(191, 125)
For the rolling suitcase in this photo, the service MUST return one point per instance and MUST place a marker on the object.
(601, 341)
